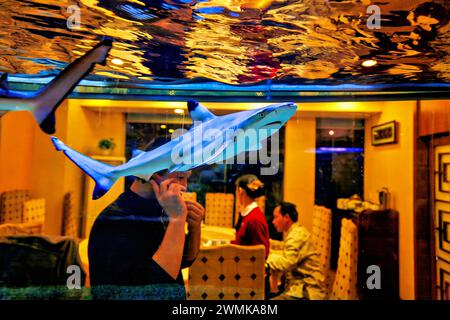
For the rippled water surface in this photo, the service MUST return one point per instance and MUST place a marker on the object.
(233, 42)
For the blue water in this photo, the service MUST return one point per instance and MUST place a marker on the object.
(232, 42)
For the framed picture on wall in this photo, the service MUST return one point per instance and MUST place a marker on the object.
(385, 133)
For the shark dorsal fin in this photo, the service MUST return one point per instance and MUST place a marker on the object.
(199, 112)
(4, 82)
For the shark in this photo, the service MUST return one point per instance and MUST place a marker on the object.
(43, 103)
(188, 145)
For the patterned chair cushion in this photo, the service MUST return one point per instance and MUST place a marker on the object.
(219, 209)
(344, 286)
(227, 272)
(34, 211)
(11, 205)
(71, 222)
(321, 236)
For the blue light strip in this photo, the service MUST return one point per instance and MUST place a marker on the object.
(338, 150)
(216, 86)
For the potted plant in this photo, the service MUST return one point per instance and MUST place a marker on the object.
(106, 146)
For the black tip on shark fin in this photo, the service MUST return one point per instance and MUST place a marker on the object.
(48, 125)
(99, 191)
(4, 82)
(106, 41)
(192, 104)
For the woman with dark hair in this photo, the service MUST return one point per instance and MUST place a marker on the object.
(252, 228)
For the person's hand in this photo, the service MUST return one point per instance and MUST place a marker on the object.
(195, 214)
(169, 197)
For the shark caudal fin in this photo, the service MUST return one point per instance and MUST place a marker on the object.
(100, 172)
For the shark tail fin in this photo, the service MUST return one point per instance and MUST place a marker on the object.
(100, 172)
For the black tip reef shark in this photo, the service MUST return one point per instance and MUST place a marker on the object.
(43, 104)
(212, 139)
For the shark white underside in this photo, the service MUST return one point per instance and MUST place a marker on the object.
(145, 164)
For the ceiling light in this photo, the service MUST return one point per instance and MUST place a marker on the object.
(178, 111)
(171, 130)
(331, 132)
(369, 63)
(117, 61)
(163, 126)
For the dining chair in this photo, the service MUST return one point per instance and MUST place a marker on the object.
(321, 237)
(227, 272)
(11, 205)
(344, 285)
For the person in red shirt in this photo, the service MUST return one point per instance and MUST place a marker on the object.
(252, 228)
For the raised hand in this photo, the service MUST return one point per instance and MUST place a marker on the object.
(195, 214)
(169, 197)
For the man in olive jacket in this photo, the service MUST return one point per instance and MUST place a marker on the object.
(297, 258)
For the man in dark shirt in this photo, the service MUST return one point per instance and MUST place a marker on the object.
(138, 244)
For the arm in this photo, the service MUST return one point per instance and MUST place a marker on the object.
(170, 252)
(276, 245)
(286, 260)
(194, 219)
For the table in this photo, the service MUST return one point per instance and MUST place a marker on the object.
(216, 233)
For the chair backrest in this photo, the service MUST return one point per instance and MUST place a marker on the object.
(344, 286)
(189, 196)
(321, 237)
(34, 211)
(219, 209)
(228, 272)
(71, 223)
(11, 205)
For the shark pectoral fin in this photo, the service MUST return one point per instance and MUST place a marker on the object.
(4, 82)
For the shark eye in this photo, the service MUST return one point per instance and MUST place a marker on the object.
(261, 115)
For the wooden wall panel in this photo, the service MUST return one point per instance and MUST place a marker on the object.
(434, 117)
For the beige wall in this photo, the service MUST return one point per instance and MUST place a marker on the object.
(299, 166)
(16, 151)
(392, 166)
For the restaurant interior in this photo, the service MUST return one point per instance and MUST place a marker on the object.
(365, 158)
